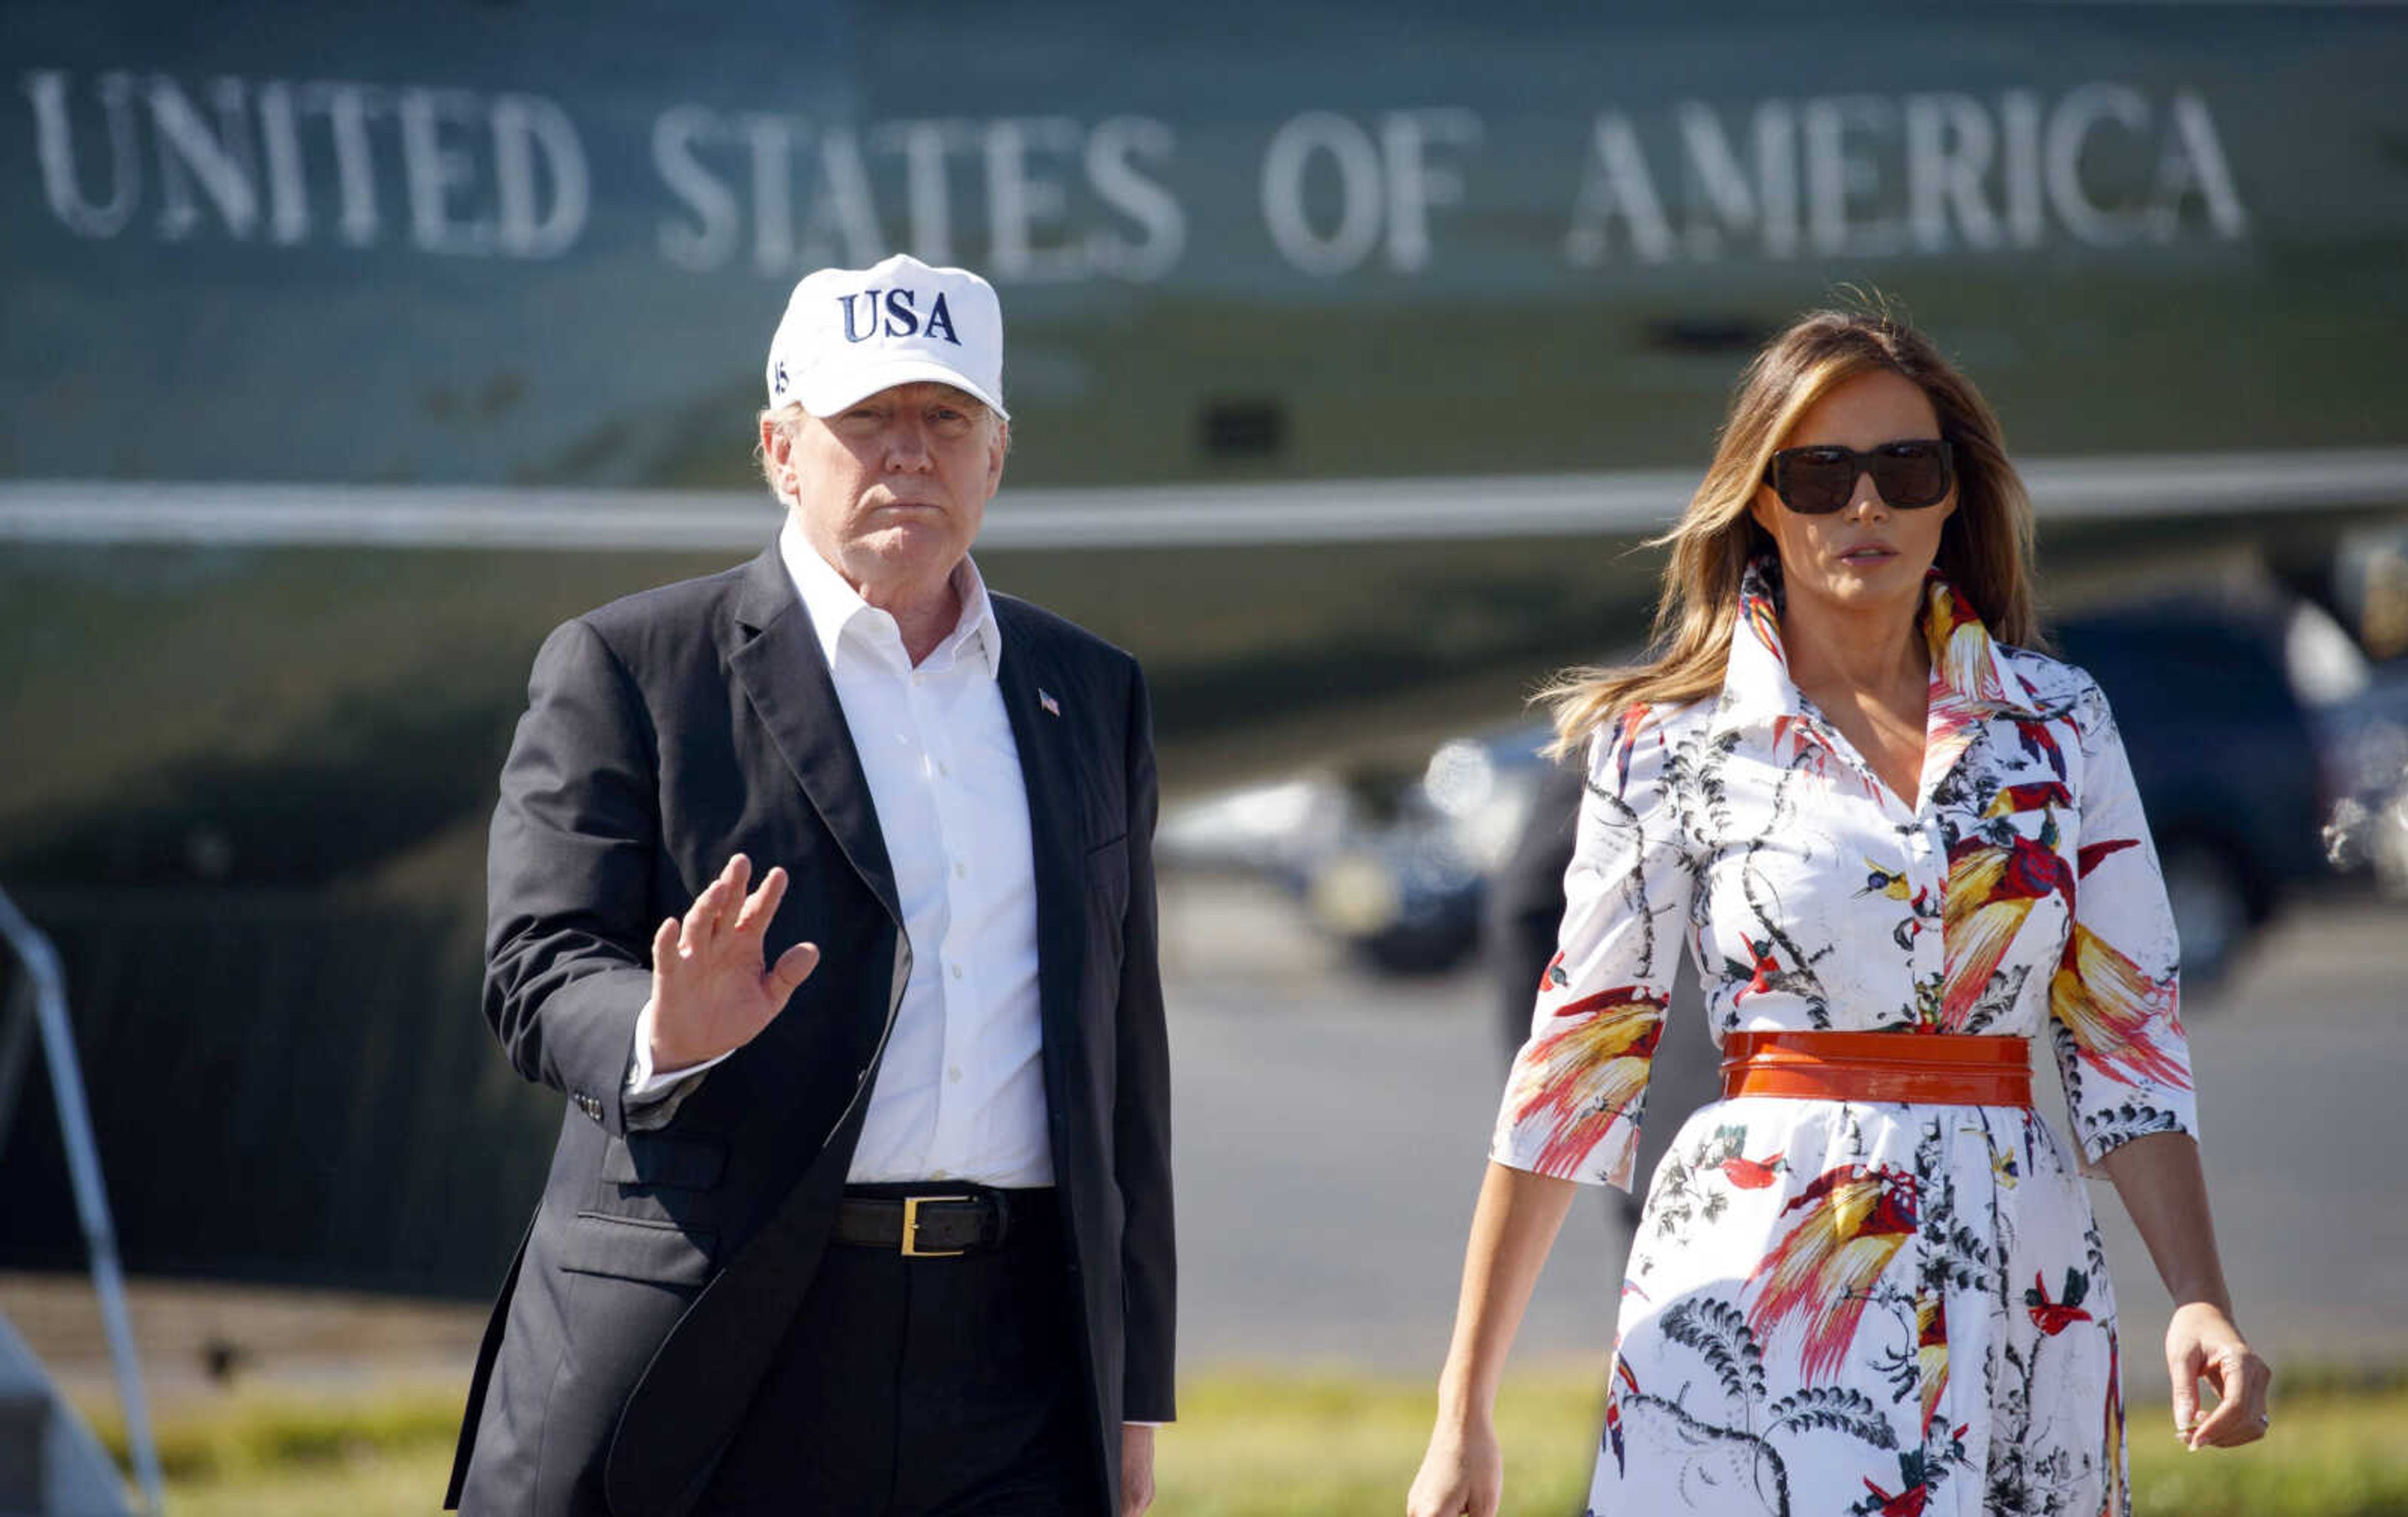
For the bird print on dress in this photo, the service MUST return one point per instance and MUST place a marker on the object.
(1899, 885)
(1582, 1077)
(1894, 883)
(1909, 1500)
(1968, 686)
(2002, 1159)
(2055, 1317)
(1622, 1381)
(1753, 1174)
(1728, 1157)
(1797, 743)
(1763, 619)
(1766, 974)
(1852, 1221)
(2038, 797)
(2119, 1015)
(1626, 745)
(1995, 879)
(1930, 1352)
(2038, 742)
(1854, 1307)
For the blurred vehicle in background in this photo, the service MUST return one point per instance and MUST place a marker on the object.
(1406, 895)
(1393, 863)
(2366, 736)
(1274, 829)
(2365, 727)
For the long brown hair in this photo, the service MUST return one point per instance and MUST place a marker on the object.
(1985, 549)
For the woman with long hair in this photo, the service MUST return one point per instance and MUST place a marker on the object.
(1901, 844)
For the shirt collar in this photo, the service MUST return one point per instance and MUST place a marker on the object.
(1969, 674)
(836, 608)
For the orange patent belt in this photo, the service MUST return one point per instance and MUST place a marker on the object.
(1943, 1069)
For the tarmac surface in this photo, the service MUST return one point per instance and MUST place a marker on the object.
(1331, 1131)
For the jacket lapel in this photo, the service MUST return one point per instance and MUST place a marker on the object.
(787, 677)
(1046, 739)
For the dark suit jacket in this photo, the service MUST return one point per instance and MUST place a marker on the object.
(663, 733)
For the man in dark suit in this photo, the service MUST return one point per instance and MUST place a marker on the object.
(861, 1197)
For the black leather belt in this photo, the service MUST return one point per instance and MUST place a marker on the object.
(939, 1225)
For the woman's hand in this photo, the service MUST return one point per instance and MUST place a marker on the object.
(2201, 1343)
(1464, 1471)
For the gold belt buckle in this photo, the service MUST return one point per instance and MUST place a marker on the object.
(911, 1249)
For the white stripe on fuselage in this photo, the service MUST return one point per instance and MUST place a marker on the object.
(2064, 490)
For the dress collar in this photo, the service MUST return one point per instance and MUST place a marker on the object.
(1969, 677)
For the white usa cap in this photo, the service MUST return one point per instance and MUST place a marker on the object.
(849, 332)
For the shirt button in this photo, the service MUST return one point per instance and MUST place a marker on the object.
(941, 1174)
(955, 1074)
(961, 870)
(943, 767)
(919, 678)
(957, 971)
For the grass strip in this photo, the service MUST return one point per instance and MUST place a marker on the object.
(1269, 1444)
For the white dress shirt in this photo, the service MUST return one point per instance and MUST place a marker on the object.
(960, 1091)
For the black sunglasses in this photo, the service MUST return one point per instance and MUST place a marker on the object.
(1911, 474)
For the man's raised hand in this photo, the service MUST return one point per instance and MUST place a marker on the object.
(710, 994)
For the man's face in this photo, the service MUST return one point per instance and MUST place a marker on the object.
(892, 488)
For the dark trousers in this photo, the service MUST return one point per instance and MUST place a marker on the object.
(931, 1387)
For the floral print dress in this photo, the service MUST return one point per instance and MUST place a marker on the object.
(1853, 1307)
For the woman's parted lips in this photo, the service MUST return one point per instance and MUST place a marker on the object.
(1866, 551)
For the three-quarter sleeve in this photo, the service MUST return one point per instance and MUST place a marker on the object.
(1574, 1101)
(2115, 998)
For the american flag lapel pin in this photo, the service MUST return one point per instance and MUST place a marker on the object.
(1053, 707)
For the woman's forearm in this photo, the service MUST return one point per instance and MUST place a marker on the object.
(2164, 1193)
(1511, 1230)
(2159, 1179)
